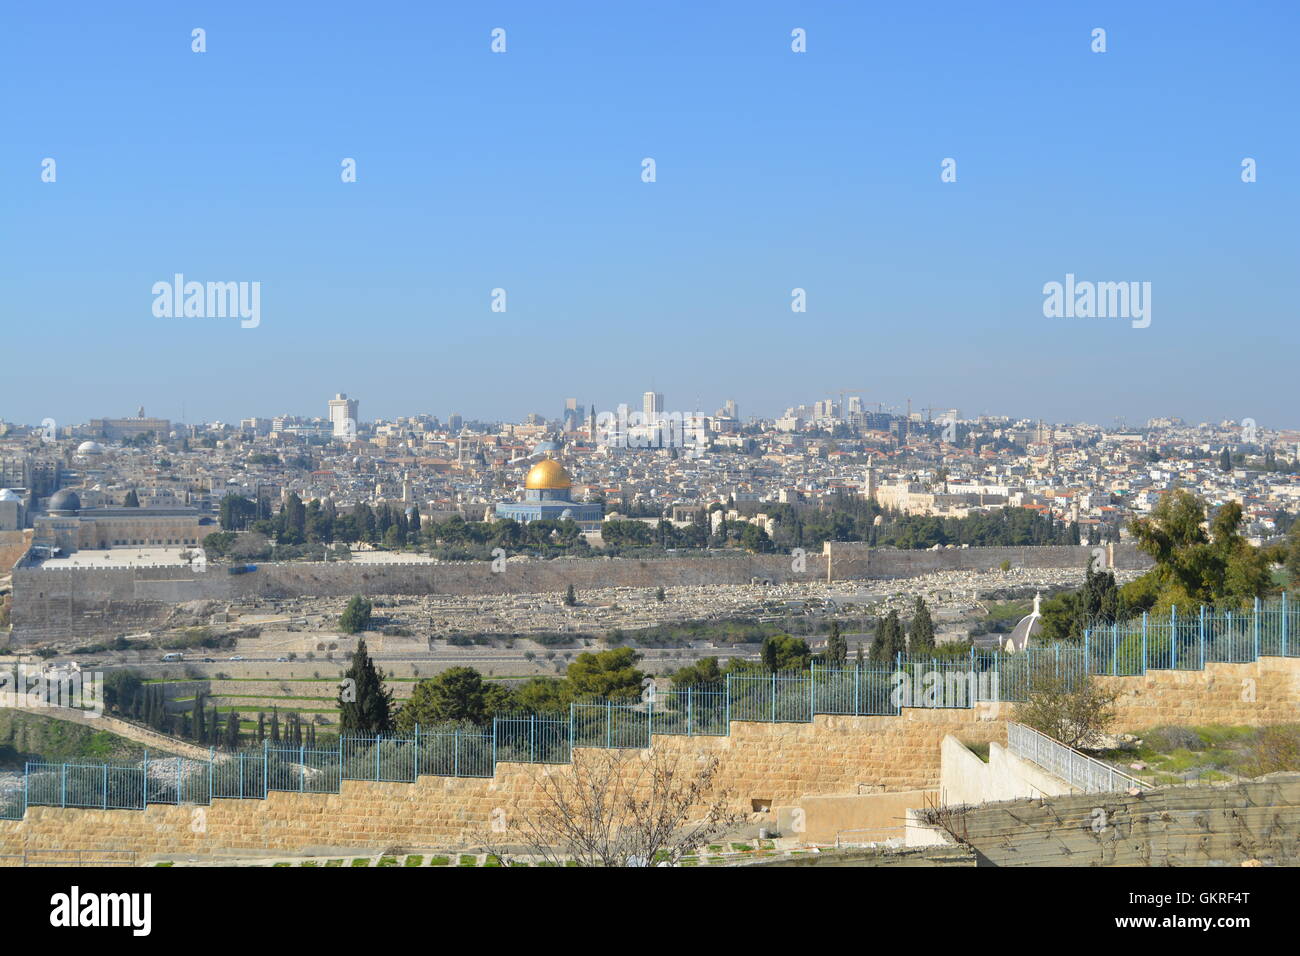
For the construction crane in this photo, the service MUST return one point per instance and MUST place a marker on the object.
(844, 391)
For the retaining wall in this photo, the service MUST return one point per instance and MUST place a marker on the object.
(773, 763)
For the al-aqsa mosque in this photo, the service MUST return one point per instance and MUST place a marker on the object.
(546, 496)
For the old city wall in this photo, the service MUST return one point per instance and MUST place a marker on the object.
(58, 603)
(849, 560)
(771, 763)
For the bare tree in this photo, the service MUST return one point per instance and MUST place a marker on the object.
(1075, 712)
(616, 808)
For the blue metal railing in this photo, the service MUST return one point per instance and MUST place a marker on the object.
(1180, 641)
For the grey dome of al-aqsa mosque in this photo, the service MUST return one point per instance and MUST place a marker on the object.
(64, 502)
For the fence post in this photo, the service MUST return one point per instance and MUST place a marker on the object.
(63, 785)
(857, 686)
(1255, 627)
(1144, 642)
(417, 752)
(106, 786)
(240, 758)
(609, 723)
(650, 720)
(1173, 637)
(494, 741)
(455, 752)
(772, 708)
(212, 766)
(728, 705)
(1058, 660)
(532, 737)
(1200, 628)
(379, 750)
(1087, 657)
(266, 767)
(1285, 616)
(812, 690)
(27, 776)
(302, 768)
(689, 709)
(178, 780)
(1114, 648)
(145, 783)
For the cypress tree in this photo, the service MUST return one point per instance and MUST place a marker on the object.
(921, 639)
(275, 725)
(231, 742)
(837, 648)
(365, 704)
(261, 727)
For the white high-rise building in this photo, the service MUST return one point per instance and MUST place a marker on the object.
(652, 407)
(343, 416)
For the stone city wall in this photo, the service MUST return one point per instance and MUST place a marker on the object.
(53, 603)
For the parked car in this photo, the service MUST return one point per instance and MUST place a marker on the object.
(238, 657)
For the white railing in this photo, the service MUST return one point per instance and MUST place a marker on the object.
(1077, 769)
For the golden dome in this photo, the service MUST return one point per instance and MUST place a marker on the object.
(547, 474)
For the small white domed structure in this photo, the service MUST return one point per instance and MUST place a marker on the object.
(89, 449)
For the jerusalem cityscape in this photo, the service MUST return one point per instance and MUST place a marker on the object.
(439, 457)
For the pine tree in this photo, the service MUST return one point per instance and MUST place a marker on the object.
(365, 704)
(921, 640)
(570, 598)
(275, 725)
(1225, 459)
(261, 727)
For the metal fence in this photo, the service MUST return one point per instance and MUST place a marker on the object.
(1075, 768)
(1177, 642)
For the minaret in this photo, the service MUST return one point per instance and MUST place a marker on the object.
(871, 479)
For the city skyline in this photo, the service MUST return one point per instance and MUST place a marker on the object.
(776, 171)
(324, 410)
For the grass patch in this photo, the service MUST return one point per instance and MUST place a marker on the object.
(387, 861)
(439, 860)
(414, 860)
(467, 860)
(333, 862)
(361, 861)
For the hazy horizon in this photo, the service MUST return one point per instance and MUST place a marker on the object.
(775, 171)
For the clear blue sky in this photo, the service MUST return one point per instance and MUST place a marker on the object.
(775, 170)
